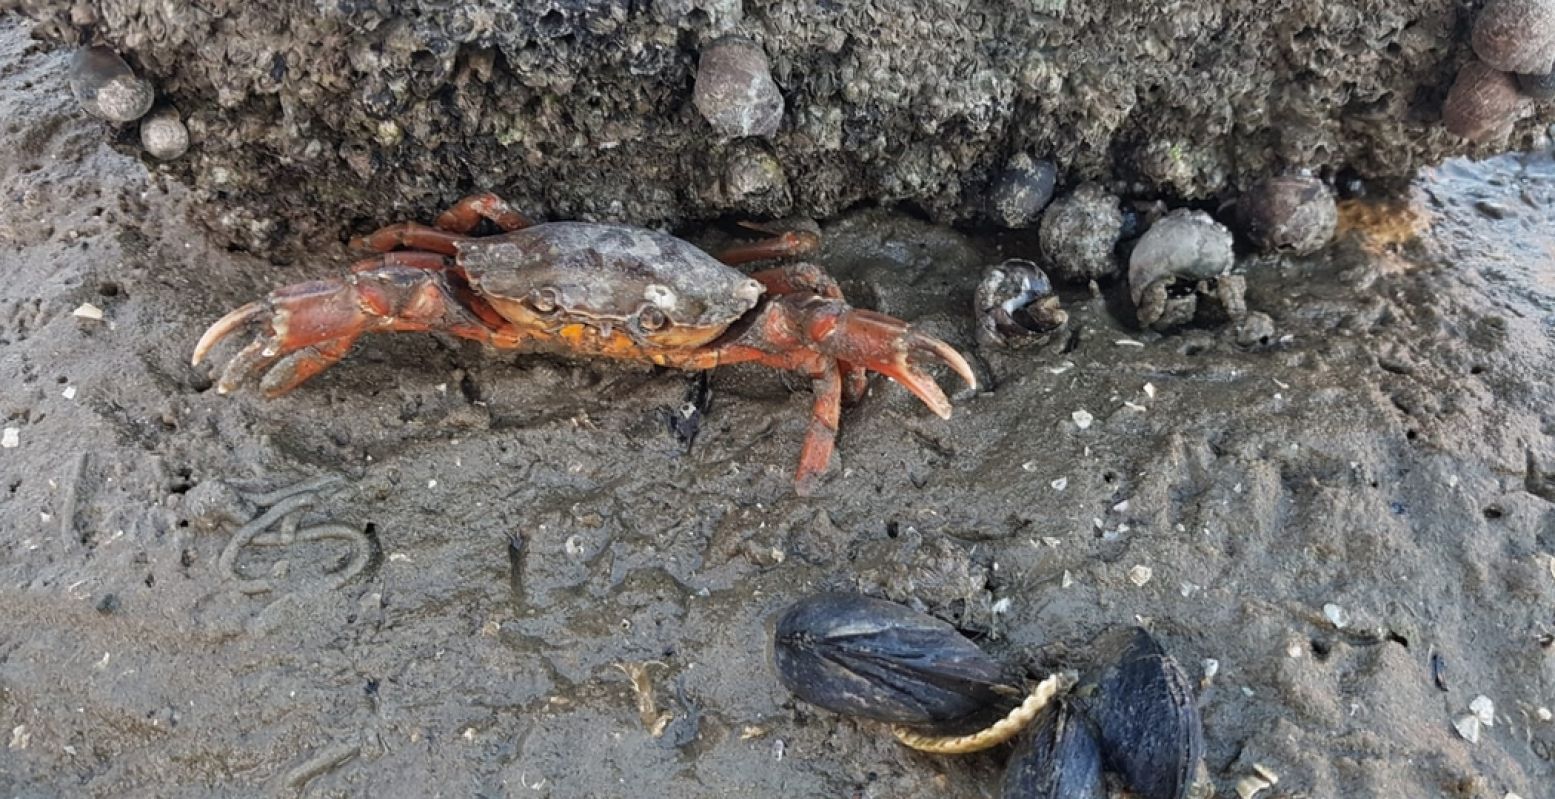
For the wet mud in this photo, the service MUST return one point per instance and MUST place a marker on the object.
(521, 549)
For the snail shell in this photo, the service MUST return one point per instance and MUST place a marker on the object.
(1482, 104)
(1516, 35)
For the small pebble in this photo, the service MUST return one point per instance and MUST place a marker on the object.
(735, 91)
(11, 438)
(164, 136)
(1337, 616)
(1484, 710)
(1544, 714)
(1139, 575)
(1082, 419)
(107, 88)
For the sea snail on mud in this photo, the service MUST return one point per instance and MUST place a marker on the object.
(1132, 714)
(591, 290)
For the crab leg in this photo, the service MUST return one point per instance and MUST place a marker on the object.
(410, 235)
(468, 212)
(787, 244)
(810, 278)
(882, 344)
(821, 438)
(309, 326)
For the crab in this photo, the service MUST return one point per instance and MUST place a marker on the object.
(591, 290)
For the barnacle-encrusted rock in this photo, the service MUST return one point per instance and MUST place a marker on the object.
(317, 113)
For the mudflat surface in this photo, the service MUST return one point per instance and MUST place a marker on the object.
(530, 524)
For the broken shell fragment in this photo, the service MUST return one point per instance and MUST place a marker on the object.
(1016, 305)
(1291, 214)
(1483, 103)
(1145, 716)
(1058, 758)
(878, 660)
(1516, 35)
(106, 87)
(734, 89)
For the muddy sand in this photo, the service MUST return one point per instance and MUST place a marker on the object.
(507, 536)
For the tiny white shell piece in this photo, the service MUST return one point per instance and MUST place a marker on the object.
(1139, 575)
(88, 311)
(1484, 710)
(1468, 727)
(1337, 616)
(1082, 418)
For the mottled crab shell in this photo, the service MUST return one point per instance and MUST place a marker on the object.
(655, 287)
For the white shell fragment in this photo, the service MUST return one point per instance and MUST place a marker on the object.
(1261, 778)
(1060, 484)
(12, 438)
(1139, 575)
(1484, 710)
(1337, 616)
(87, 310)
(1082, 418)
(1468, 728)
(69, 392)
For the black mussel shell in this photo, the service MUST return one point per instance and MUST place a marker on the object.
(1146, 720)
(866, 657)
(1058, 758)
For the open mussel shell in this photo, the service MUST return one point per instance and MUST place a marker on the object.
(874, 659)
(1146, 720)
(1058, 758)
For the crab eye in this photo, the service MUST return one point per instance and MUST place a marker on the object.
(542, 300)
(651, 318)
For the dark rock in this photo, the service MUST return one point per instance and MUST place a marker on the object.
(1022, 191)
(1079, 233)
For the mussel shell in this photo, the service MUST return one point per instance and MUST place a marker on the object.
(1146, 721)
(874, 659)
(1058, 758)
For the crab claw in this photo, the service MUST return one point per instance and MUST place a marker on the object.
(306, 328)
(886, 345)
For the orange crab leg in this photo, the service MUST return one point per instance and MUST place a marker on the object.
(788, 244)
(821, 438)
(468, 212)
(810, 278)
(309, 326)
(410, 235)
